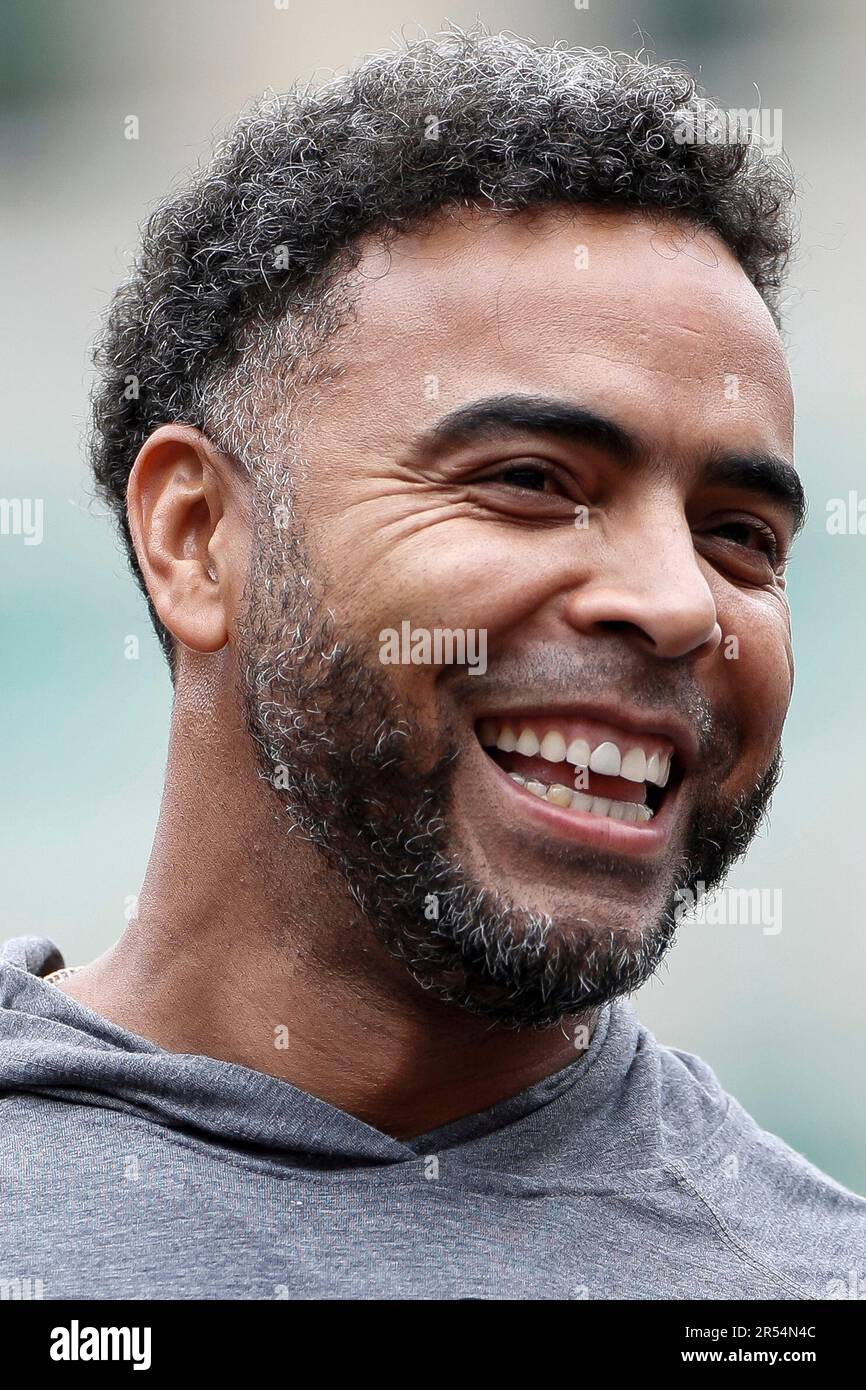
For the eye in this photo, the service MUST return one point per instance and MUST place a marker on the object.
(529, 476)
(753, 534)
(749, 540)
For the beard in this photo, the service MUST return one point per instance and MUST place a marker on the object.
(353, 769)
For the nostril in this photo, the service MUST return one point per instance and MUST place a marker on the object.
(619, 627)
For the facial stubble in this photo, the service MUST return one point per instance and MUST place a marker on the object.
(354, 770)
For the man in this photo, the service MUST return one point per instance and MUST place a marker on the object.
(446, 420)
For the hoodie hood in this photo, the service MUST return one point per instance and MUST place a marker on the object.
(53, 1046)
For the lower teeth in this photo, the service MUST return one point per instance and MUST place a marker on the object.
(559, 795)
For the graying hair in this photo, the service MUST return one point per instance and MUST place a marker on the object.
(242, 276)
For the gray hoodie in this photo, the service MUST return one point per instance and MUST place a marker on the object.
(130, 1172)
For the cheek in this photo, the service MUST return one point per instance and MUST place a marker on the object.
(757, 673)
(447, 571)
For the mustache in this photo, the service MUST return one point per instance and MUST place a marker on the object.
(555, 674)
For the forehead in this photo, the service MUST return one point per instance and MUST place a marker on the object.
(650, 320)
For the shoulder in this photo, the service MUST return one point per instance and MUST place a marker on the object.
(767, 1199)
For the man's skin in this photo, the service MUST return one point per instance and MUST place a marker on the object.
(242, 926)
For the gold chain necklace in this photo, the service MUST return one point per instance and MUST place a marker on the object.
(57, 975)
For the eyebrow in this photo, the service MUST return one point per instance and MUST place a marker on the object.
(766, 474)
(487, 419)
(762, 473)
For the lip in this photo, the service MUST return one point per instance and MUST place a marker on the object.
(593, 832)
(580, 827)
(622, 718)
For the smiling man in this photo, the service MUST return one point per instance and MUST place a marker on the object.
(468, 342)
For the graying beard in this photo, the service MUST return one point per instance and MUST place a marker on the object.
(483, 953)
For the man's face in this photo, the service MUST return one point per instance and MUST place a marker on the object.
(599, 510)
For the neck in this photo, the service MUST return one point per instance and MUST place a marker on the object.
(244, 948)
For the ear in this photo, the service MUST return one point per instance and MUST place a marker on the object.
(186, 513)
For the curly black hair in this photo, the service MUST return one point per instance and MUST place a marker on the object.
(235, 288)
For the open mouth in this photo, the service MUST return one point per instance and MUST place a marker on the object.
(584, 766)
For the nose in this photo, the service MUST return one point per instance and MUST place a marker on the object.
(647, 584)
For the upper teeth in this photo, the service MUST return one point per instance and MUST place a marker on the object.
(635, 763)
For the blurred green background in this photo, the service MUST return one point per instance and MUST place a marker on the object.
(779, 1017)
